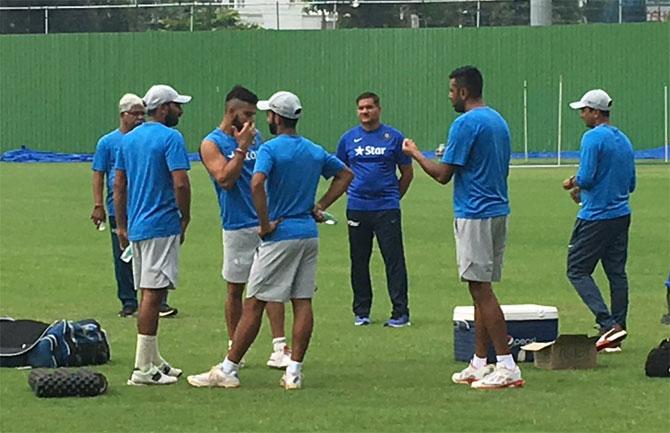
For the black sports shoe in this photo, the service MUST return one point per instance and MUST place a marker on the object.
(167, 311)
(128, 311)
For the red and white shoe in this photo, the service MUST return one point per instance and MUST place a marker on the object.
(471, 374)
(611, 338)
(500, 378)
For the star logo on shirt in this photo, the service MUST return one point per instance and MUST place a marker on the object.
(359, 150)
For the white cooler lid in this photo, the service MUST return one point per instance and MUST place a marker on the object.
(511, 312)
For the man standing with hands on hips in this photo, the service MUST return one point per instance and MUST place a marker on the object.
(602, 186)
(152, 195)
(477, 157)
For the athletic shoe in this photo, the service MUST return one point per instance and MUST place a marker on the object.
(362, 320)
(400, 322)
(151, 377)
(611, 338)
(167, 311)
(500, 378)
(291, 382)
(665, 319)
(612, 350)
(280, 358)
(471, 374)
(169, 370)
(215, 377)
(128, 311)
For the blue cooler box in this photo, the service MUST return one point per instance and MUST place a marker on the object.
(526, 323)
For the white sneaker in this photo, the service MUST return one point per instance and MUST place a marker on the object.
(471, 374)
(151, 377)
(169, 370)
(500, 378)
(291, 382)
(616, 349)
(215, 377)
(280, 358)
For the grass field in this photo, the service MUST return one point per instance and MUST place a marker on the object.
(53, 265)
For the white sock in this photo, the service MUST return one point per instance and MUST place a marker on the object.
(478, 362)
(278, 344)
(228, 366)
(294, 368)
(506, 361)
(144, 351)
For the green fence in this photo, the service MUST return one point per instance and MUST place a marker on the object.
(59, 92)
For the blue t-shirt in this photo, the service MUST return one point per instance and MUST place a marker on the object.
(103, 161)
(479, 144)
(373, 157)
(237, 207)
(149, 154)
(606, 174)
(293, 165)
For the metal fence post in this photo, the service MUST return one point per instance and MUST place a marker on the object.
(46, 21)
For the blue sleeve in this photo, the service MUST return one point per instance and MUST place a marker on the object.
(331, 165)
(176, 155)
(120, 163)
(264, 161)
(101, 156)
(588, 162)
(401, 158)
(459, 143)
(342, 150)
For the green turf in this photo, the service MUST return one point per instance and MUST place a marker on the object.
(54, 265)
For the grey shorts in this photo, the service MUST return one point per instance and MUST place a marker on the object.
(480, 245)
(284, 270)
(156, 263)
(239, 247)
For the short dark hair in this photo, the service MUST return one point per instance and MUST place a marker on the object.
(469, 77)
(606, 114)
(368, 95)
(243, 94)
(288, 123)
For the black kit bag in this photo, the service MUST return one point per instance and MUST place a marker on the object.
(658, 360)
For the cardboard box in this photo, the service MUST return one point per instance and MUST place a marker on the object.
(526, 323)
(566, 352)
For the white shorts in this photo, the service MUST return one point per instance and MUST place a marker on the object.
(480, 245)
(284, 270)
(156, 263)
(239, 247)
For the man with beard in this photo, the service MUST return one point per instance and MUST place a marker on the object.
(289, 167)
(229, 155)
(477, 156)
(152, 196)
(131, 109)
(373, 151)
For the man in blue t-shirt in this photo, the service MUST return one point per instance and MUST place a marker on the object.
(373, 151)
(283, 187)
(602, 186)
(477, 157)
(131, 109)
(152, 197)
(229, 154)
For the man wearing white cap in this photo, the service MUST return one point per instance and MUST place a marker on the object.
(131, 114)
(602, 185)
(152, 196)
(284, 266)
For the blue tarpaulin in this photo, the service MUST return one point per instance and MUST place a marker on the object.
(28, 155)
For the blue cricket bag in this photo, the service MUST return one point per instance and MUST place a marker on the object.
(65, 343)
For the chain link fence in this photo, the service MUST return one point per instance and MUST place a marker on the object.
(72, 16)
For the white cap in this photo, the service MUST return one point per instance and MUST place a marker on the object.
(162, 94)
(128, 101)
(597, 99)
(286, 104)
